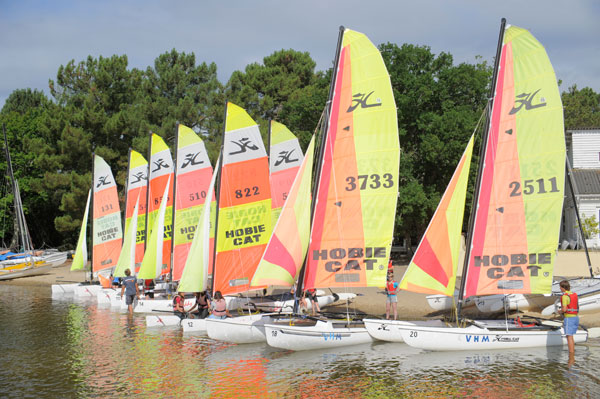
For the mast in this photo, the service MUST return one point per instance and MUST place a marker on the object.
(572, 187)
(269, 145)
(92, 223)
(483, 149)
(173, 207)
(127, 190)
(13, 184)
(319, 160)
(148, 190)
(217, 198)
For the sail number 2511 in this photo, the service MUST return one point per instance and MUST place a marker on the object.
(373, 181)
(531, 186)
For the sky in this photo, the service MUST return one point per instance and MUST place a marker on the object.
(38, 36)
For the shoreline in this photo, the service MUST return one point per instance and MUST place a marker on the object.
(371, 300)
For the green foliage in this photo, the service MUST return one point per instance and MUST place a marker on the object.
(101, 105)
(589, 227)
(582, 108)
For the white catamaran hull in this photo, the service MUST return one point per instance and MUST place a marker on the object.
(443, 302)
(194, 325)
(28, 271)
(239, 330)
(160, 320)
(323, 335)
(587, 304)
(63, 289)
(106, 296)
(86, 291)
(495, 303)
(288, 305)
(477, 338)
(387, 330)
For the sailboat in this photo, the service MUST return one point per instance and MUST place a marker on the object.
(355, 195)
(514, 226)
(106, 231)
(26, 261)
(132, 250)
(285, 158)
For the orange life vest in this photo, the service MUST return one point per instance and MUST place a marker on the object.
(390, 288)
(573, 306)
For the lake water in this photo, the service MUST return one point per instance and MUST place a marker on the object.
(65, 349)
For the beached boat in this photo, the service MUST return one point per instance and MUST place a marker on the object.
(510, 247)
(25, 261)
(355, 194)
(105, 231)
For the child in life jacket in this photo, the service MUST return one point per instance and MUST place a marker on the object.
(391, 289)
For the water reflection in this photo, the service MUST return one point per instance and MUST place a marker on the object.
(62, 348)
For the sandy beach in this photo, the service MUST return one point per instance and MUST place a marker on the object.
(372, 300)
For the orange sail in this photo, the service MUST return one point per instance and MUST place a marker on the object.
(244, 210)
(355, 206)
(160, 174)
(193, 176)
(519, 203)
(287, 247)
(137, 184)
(285, 159)
(432, 269)
(106, 216)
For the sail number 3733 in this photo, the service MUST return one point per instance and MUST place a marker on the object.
(531, 186)
(373, 181)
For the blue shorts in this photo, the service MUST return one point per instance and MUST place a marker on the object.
(571, 324)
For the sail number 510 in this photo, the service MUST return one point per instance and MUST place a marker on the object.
(532, 186)
(373, 181)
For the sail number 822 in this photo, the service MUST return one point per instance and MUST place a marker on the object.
(373, 181)
(532, 186)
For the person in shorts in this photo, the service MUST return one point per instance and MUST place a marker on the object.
(391, 289)
(129, 286)
(570, 310)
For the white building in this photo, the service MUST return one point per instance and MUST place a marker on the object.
(583, 151)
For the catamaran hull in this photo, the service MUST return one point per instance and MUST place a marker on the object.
(443, 302)
(495, 303)
(194, 325)
(239, 330)
(106, 296)
(323, 335)
(159, 305)
(29, 271)
(63, 289)
(387, 330)
(162, 321)
(478, 338)
(288, 305)
(589, 304)
(86, 291)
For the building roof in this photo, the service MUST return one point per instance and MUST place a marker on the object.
(587, 181)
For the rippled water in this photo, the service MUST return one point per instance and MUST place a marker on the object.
(62, 348)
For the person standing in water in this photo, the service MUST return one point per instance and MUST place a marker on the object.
(570, 310)
(129, 285)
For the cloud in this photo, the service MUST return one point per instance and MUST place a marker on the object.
(38, 36)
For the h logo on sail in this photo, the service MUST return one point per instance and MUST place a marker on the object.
(360, 99)
(244, 144)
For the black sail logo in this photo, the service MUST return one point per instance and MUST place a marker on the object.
(526, 100)
(244, 144)
(191, 160)
(160, 164)
(285, 157)
(362, 100)
(138, 177)
(103, 181)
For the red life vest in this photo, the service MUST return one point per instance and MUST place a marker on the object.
(573, 306)
(390, 288)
